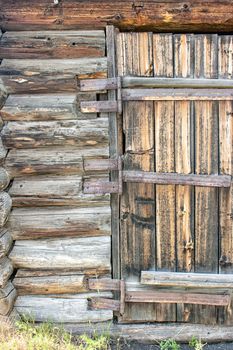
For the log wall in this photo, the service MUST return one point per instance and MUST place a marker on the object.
(60, 235)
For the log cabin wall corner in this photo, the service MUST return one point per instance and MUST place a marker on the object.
(53, 236)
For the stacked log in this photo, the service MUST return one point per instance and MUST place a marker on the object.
(61, 235)
(7, 289)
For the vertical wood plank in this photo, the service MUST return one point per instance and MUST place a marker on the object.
(225, 44)
(137, 207)
(164, 162)
(184, 67)
(206, 162)
(115, 149)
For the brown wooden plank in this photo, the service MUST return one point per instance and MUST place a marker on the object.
(33, 223)
(150, 15)
(176, 94)
(115, 148)
(52, 44)
(206, 162)
(176, 297)
(50, 75)
(225, 44)
(98, 106)
(137, 207)
(184, 67)
(164, 162)
(177, 179)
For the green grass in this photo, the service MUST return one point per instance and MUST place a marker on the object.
(25, 335)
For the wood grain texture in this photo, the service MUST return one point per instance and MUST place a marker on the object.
(165, 162)
(137, 207)
(225, 46)
(50, 75)
(53, 191)
(50, 160)
(40, 107)
(6, 269)
(52, 44)
(206, 162)
(61, 310)
(184, 67)
(63, 222)
(187, 280)
(73, 253)
(7, 298)
(43, 285)
(166, 15)
(78, 133)
(5, 242)
(5, 207)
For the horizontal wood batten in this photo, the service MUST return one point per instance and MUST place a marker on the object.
(52, 44)
(169, 16)
(34, 223)
(163, 298)
(150, 82)
(177, 94)
(186, 280)
(177, 179)
(183, 298)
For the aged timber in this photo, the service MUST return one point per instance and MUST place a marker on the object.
(194, 16)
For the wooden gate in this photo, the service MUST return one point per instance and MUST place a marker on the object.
(172, 195)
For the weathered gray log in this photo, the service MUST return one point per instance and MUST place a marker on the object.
(3, 151)
(178, 16)
(176, 94)
(62, 310)
(99, 106)
(177, 179)
(61, 284)
(52, 44)
(79, 133)
(186, 280)
(54, 75)
(63, 222)
(11, 318)
(50, 160)
(4, 179)
(7, 297)
(3, 93)
(73, 253)
(155, 333)
(151, 82)
(44, 107)
(5, 207)
(53, 190)
(6, 270)
(5, 242)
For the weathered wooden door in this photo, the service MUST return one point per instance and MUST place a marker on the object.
(169, 227)
(173, 129)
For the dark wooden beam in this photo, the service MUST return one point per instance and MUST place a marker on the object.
(166, 15)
